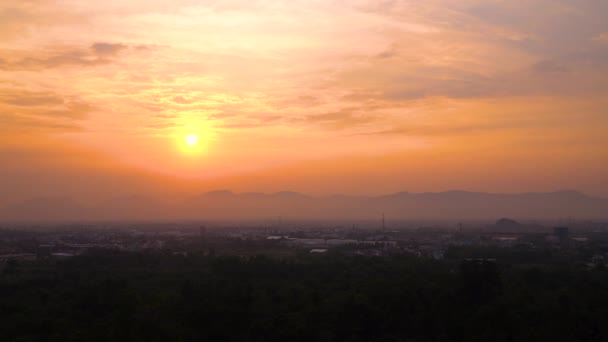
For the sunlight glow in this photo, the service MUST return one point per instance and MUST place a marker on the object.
(191, 140)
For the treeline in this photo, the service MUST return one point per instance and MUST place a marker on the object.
(115, 296)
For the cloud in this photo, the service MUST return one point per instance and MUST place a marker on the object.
(96, 54)
(243, 125)
(22, 124)
(30, 98)
(107, 49)
(181, 100)
(160, 125)
(165, 116)
(509, 119)
(221, 115)
(444, 130)
(482, 49)
(41, 111)
(346, 118)
(562, 27)
(260, 76)
(21, 18)
(299, 101)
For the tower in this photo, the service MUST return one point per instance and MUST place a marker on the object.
(562, 235)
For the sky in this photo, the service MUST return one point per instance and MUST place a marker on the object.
(359, 97)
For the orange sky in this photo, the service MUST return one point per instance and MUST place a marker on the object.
(361, 97)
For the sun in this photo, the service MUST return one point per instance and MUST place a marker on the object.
(191, 140)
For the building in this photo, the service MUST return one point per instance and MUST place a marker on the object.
(561, 233)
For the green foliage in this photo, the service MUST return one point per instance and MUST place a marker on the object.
(114, 296)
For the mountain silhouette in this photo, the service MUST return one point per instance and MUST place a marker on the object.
(225, 204)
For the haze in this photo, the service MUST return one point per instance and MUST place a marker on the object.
(167, 100)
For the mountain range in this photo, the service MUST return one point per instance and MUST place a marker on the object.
(227, 205)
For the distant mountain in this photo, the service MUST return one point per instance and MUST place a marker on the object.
(289, 195)
(507, 225)
(506, 222)
(225, 204)
(218, 194)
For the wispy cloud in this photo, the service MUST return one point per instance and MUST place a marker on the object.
(96, 54)
(24, 110)
(330, 77)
